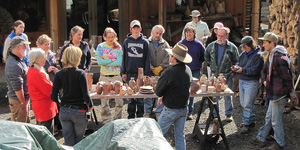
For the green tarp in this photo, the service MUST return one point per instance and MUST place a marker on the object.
(24, 136)
(126, 134)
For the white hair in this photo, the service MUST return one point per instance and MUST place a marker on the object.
(158, 27)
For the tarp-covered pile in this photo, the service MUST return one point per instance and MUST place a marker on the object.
(126, 134)
(122, 134)
(24, 136)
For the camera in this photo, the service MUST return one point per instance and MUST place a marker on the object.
(88, 115)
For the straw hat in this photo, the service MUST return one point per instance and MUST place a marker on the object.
(180, 52)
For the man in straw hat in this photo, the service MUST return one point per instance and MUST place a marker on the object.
(279, 88)
(201, 27)
(173, 89)
(16, 79)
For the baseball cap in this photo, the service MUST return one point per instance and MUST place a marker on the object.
(269, 36)
(246, 40)
(18, 40)
(218, 25)
(195, 13)
(135, 23)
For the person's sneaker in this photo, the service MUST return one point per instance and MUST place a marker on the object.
(146, 115)
(257, 142)
(228, 118)
(245, 129)
(274, 146)
(189, 117)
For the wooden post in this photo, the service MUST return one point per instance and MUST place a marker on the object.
(54, 22)
(160, 12)
(298, 65)
(122, 35)
(255, 19)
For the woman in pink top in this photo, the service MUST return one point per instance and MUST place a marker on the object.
(40, 88)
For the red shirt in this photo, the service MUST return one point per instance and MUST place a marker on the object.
(40, 88)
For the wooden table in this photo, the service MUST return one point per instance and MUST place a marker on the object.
(94, 95)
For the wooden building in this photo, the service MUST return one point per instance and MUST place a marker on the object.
(55, 16)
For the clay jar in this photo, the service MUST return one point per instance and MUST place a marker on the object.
(117, 86)
(140, 78)
(89, 77)
(132, 83)
(147, 81)
(194, 87)
(99, 88)
(105, 88)
(110, 86)
(222, 78)
(218, 86)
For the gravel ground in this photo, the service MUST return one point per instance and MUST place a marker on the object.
(235, 140)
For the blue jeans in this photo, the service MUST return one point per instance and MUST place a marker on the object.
(177, 117)
(195, 74)
(158, 108)
(148, 103)
(73, 123)
(273, 120)
(248, 91)
(228, 101)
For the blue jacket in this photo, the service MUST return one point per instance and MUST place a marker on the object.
(251, 63)
(136, 54)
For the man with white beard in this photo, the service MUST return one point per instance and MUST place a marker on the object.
(220, 55)
(16, 79)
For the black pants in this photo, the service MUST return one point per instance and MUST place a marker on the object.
(135, 105)
(49, 124)
(135, 108)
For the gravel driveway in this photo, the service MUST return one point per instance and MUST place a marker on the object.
(235, 140)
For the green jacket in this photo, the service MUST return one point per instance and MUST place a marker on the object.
(230, 58)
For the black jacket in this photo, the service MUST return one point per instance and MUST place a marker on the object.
(174, 86)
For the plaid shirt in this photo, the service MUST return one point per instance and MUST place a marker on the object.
(280, 83)
(230, 57)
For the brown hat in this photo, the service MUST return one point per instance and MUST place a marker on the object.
(269, 36)
(180, 52)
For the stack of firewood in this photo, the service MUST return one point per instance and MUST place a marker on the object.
(284, 21)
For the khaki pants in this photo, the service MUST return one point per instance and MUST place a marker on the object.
(105, 112)
(18, 112)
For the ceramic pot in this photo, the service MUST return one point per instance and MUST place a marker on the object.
(194, 87)
(220, 9)
(105, 88)
(140, 78)
(89, 77)
(131, 83)
(99, 88)
(117, 86)
(147, 81)
(110, 86)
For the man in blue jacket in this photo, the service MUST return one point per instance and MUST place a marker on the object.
(250, 64)
(136, 54)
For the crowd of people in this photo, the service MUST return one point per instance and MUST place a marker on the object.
(63, 94)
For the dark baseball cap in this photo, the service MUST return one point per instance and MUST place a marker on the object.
(18, 40)
(246, 40)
